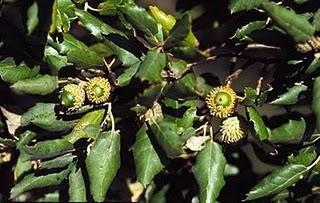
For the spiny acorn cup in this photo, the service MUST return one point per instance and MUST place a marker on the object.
(221, 101)
(98, 90)
(72, 96)
(231, 130)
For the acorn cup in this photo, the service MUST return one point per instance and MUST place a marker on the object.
(72, 96)
(98, 90)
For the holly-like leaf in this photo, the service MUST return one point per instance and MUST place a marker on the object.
(315, 65)
(77, 189)
(47, 149)
(241, 5)
(11, 73)
(166, 135)
(246, 30)
(33, 181)
(128, 59)
(291, 96)
(125, 78)
(258, 123)
(277, 181)
(41, 85)
(144, 22)
(59, 162)
(87, 127)
(33, 19)
(297, 26)
(55, 61)
(103, 163)
(209, 171)
(316, 101)
(291, 132)
(95, 25)
(43, 115)
(151, 67)
(146, 159)
(179, 32)
(250, 96)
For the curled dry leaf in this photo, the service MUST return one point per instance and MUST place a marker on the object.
(196, 143)
(12, 120)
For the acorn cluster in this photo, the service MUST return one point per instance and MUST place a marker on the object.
(96, 90)
(222, 102)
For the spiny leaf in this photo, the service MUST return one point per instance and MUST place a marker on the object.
(291, 96)
(297, 26)
(11, 73)
(33, 19)
(258, 123)
(209, 171)
(246, 30)
(291, 132)
(103, 163)
(47, 149)
(77, 189)
(316, 101)
(277, 181)
(43, 115)
(146, 159)
(41, 85)
(150, 69)
(95, 25)
(33, 181)
(166, 134)
(240, 5)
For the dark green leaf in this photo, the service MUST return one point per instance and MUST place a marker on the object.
(22, 166)
(54, 60)
(41, 85)
(77, 189)
(32, 20)
(144, 22)
(43, 115)
(250, 96)
(179, 31)
(47, 149)
(127, 58)
(316, 20)
(87, 127)
(258, 123)
(74, 50)
(95, 25)
(166, 135)
(160, 196)
(101, 49)
(125, 78)
(240, 5)
(246, 30)
(50, 197)
(209, 171)
(146, 159)
(151, 94)
(108, 7)
(316, 101)
(291, 132)
(103, 163)
(11, 73)
(150, 69)
(7, 142)
(315, 65)
(291, 96)
(59, 162)
(277, 181)
(297, 26)
(33, 181)
(305, 156)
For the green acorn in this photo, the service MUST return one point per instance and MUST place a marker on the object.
(72, 96)
(98, 90)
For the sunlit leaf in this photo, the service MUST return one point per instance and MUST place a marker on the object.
(291, 96)
(258, 123)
